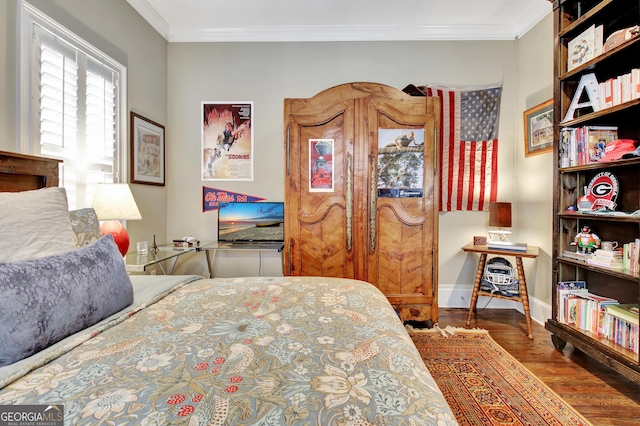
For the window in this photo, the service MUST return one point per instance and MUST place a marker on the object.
(72, 106)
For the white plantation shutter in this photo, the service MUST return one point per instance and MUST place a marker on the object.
(76, 108)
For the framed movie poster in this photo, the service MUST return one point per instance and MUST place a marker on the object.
(147, 150)
(400, 163)
(227, 141)
(321, 165)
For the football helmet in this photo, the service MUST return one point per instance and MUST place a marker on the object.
(498, 278)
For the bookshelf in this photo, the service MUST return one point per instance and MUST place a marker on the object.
(571, 19)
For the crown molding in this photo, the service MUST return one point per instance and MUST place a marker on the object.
(530, 19)
(320, 33)
(151, 16)
(303, 33)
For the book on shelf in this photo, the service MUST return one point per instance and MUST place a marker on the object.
(621, 326)
(506, 245)
(608, 253)
(625, 312)
(564, 151)
(565, 290)
(631, 256)
(596, 140)
(585, 145)
(593, 320)
(584, 47)
(578, 307)
(617, 90)
(583, 257)
(607, 259)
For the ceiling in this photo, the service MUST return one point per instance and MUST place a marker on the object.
(340, 20)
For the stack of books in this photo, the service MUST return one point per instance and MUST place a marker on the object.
(606, 259)
(583, 257)
(506, 245)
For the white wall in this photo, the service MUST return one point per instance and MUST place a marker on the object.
(8, 86)
(533, 203)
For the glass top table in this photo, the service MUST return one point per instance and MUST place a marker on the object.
(139, 262)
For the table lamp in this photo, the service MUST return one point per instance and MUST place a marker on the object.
(114, 202)
(499, 216)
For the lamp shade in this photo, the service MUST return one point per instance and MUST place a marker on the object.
(500, 214)
(114, 201)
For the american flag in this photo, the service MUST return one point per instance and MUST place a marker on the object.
(468, 147)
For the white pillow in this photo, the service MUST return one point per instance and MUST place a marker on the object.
(34, 224)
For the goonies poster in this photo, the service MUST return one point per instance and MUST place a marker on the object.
(227, 141)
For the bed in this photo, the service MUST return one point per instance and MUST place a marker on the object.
(189, 350)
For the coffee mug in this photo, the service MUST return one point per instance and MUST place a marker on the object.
(609, 245)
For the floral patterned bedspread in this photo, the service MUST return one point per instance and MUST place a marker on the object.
(246, 351)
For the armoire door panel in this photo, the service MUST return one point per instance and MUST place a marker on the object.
(400, 264)
(323, 252)
(321, 232)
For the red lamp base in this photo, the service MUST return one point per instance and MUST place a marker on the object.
(120, 235)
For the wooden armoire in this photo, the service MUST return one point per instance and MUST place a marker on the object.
(338, 223)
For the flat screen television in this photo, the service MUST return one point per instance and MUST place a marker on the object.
(251, 222)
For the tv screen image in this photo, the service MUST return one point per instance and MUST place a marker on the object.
(253, 221)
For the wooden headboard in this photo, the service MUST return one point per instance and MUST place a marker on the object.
(20, 172)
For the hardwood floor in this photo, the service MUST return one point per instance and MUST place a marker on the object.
(601, 395)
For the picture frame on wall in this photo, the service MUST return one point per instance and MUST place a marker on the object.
(227, 141)
(538, 129)
(147, 147)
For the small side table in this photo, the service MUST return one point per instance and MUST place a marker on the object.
(523, 297)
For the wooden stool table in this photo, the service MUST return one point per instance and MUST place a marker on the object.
(523, 297)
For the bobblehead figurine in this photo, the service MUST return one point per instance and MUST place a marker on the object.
(586, 240)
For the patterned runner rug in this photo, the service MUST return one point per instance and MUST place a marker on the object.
(485, 385)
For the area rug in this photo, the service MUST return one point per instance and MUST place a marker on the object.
(485, 385)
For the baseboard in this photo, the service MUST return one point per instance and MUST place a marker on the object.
(459, 296)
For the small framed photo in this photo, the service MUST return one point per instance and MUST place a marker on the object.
(147, 151)
(538, 129)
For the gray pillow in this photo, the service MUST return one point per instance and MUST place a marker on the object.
(47, 299)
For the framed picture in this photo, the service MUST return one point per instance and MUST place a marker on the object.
(400, 163)
(538, 129)
(147, 151)
(227, 141)
(321, 165)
